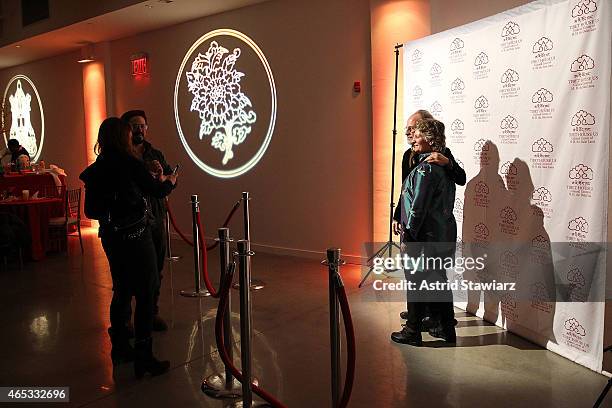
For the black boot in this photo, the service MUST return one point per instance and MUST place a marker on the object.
(121, 351)
(145, 362)
(408, 336)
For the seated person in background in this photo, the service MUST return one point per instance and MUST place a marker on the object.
(23, 162)
(16, 150)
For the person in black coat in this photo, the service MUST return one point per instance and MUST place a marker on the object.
(117, 185)
(156, 163)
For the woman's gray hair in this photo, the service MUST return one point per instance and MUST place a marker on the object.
(433, 132)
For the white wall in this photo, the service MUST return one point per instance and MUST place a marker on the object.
(59, 83)
(312, 189)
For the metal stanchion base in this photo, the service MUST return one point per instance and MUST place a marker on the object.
(214, 387)
(201, 293)
(238, 404)
(255, 285)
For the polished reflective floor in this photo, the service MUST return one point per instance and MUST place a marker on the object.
(56, 315)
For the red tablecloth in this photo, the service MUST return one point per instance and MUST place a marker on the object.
(36, 214)
(15, 183)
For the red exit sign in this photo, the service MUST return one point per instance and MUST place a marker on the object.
(140, 64)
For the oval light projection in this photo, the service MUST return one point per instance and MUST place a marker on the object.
(225, 103)
(20, 119)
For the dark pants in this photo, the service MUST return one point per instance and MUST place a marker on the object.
(438, 304)
(133, 266)
(158, 232)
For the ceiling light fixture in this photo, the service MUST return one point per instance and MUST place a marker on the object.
(87, 54)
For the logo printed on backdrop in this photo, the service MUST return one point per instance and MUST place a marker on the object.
(508, 221)
(540, 299)
(508, 169)
(578, 230)
(436, 110)
(224, 129)
(481, 195)
(542, 197)
(508, 307)
(481, 110)
(457, 51)
(481, 235)
(583, 130)
(27, 119)
(481, 153)
(417, 95)
(481, 68)
(460, 163)
(417, 60)
(509, 265)
(540, 250)
(575, 335)
(542, 56)
(580, 182)
(584, 17)
(542, 104)
(509, 130)
(457, 128)
(509, 84)
(582, 73)
(577, 285)
(458, 210)
(435, 74)
(542, 157)
(510, 37)
(456, 91)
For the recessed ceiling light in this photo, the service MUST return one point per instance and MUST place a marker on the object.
(18, 46)
(148, 6)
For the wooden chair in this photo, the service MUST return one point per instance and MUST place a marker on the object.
(59, 226)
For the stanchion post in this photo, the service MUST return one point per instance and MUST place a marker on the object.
(333, 261)
(169, 255)
(195, 209)
(244, 267)
(224, 241)
(247, 215)
(255, 284)
(224, 385)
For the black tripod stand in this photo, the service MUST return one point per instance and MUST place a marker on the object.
(606, 388)
(390, 244)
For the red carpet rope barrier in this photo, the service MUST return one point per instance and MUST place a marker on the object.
(226, 284)
(209, 286)
(350, 344)
(184, 237)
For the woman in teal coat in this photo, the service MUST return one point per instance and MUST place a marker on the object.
(429, 229)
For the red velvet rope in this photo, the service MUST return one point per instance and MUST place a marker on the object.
(176, 228)
(350, 343)
(225, 287)
(225, 223)
(184, 237)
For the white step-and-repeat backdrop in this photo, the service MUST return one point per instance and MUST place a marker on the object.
(525, 97)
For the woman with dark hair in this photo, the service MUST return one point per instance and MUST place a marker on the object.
(429, 229)
(116, 187)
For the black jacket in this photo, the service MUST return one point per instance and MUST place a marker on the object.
(453, 170)
(150, 154)
(121, 184)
